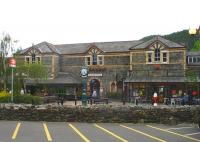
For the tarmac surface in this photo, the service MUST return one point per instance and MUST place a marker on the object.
(13, 131)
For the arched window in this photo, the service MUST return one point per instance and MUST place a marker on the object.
(33, 58)
(157, 55)
(94, 59)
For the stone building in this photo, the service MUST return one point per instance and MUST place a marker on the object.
(157, 65)
(129, 66)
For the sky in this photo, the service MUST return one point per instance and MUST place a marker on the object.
(81, 21)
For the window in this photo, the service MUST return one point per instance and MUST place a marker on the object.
(27, 60)
(190, 59)
(198, 59)
(149, 57)
(157, 55)
(87, 61)
(165, 57)
(100, 60)
(94, 59)
(38, 59)
(194, 60)
(33, 58)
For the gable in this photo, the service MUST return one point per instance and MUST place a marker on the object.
(94, 50)
(31, 51)
(157, 45)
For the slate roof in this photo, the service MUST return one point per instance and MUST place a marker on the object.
(43, 47)
(168, 43)
(117, 46)
(193, 53)
(62, 78)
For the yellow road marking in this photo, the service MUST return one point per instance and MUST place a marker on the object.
(143, 133)
(47, 132)
(111, 133)
(174, 133)
(79, 133)
(16, 131)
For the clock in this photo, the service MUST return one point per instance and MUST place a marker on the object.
(84, 72)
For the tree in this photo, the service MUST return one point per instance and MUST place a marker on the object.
(6, 47)
(191, 80)
(35, 72)
(196, 46)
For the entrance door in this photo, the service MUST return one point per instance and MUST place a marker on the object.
(95, 86)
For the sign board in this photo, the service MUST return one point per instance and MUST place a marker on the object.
(95, 74)
(12, 62)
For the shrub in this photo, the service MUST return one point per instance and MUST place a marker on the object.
(114, 95)
(27, 99)
(4, 97)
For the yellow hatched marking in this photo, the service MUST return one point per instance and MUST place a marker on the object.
(197, 140)
(16, 131)
(79, 133)
(111, 133)
(158, 139)
(47, 132)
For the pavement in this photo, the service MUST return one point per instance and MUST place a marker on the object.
(13, 131)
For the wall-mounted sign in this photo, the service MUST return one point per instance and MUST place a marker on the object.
(95, 74)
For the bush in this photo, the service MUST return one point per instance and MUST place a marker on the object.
(4, 97)
(114, 95)
(27, 99)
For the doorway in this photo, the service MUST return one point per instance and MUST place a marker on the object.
(95, 86)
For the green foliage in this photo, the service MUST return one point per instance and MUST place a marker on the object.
(182, 37)
(196, 46)
(114, 95)
(37, 71)
(27, 99)
(4, 97)
(191, 76)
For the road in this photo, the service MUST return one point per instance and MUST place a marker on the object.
(12, 131)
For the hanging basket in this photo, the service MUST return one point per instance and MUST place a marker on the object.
(157, 66)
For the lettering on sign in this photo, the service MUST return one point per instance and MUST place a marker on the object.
(95, 74)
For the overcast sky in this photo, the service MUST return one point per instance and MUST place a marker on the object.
(77, 21)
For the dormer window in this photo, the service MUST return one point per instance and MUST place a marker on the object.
(94, 57)
(157, 54)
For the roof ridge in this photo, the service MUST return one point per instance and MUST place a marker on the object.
(95, 42)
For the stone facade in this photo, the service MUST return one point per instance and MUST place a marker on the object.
(134, 65)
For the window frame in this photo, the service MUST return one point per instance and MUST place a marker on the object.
(147, 57)
(167, 57)
(86, 60)
(98, 61)
(157, 55)
(27, 57)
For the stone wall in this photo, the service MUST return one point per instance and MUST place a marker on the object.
(103, 113)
